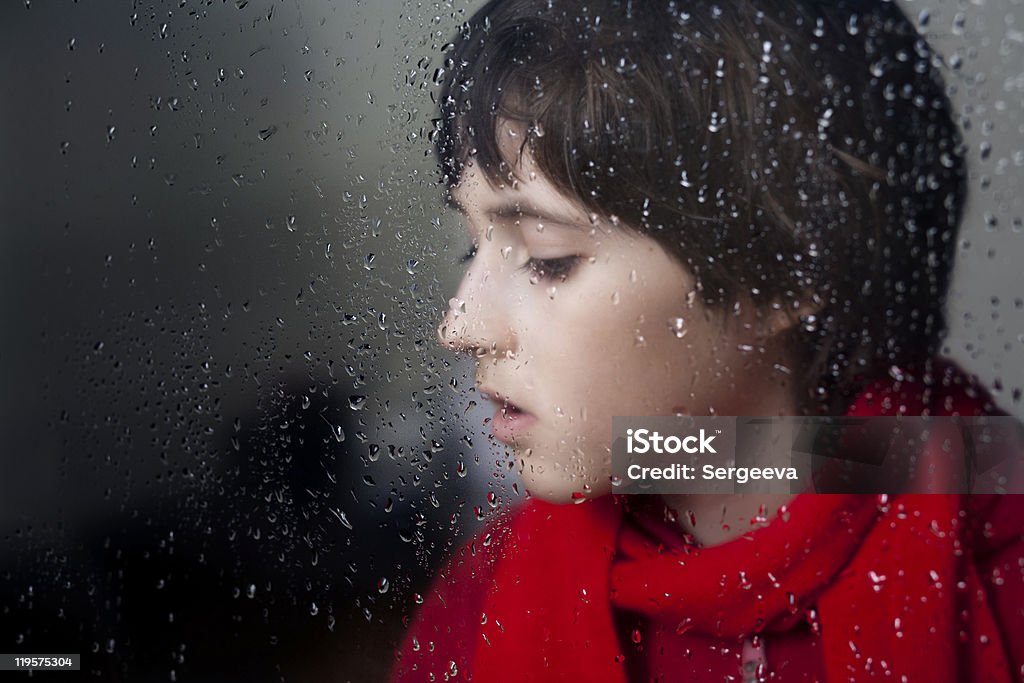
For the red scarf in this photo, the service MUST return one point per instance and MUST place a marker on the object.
(892, 581)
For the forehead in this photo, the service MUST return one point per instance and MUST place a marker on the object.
(521, 187)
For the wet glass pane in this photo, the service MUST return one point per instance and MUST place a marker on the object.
(317, 317)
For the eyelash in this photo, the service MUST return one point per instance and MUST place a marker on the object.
(551, 269)
(546, 269)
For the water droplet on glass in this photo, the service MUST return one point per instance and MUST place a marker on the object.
(341, 517)
(791, 605)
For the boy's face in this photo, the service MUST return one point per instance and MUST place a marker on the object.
(573, 320)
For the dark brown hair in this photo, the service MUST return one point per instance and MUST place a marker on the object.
(789, 152)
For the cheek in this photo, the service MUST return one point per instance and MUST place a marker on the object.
(606, 344)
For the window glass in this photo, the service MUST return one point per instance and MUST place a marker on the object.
(236, 444)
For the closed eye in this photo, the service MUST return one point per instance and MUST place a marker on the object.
(552, 269)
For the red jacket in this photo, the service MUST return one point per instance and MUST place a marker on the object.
(836, 588)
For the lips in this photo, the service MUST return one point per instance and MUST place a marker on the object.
(510, 421)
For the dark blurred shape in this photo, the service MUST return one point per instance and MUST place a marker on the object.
(268, 571)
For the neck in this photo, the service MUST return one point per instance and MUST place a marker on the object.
(716, 518)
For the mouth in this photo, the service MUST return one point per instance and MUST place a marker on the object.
(510, 420)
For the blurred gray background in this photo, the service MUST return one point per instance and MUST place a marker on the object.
(224, 253)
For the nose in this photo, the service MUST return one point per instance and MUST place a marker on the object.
(477, 320)
(450, 332)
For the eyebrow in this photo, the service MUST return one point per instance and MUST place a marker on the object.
(515, 210)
